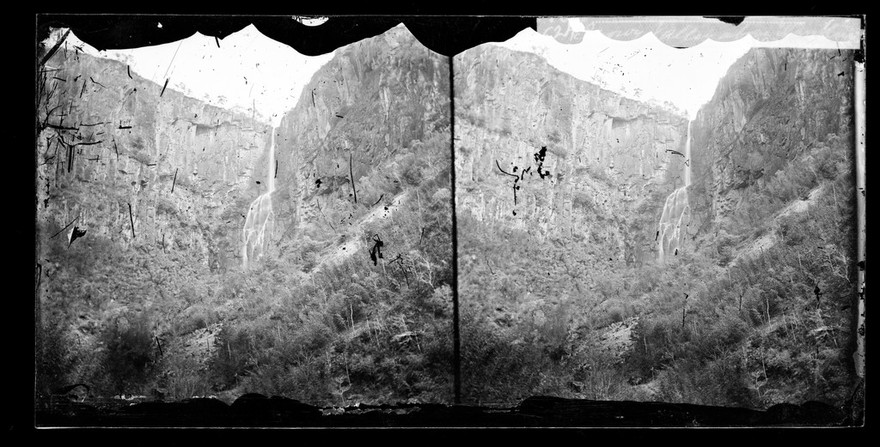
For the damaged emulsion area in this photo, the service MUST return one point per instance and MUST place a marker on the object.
(543, 173)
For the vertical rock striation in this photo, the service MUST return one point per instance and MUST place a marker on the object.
(610, 159)
(773, 106)
(341, 151)
(110, 141)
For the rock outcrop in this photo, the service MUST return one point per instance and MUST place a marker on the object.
(539, 149)
(360, 119)
(111, 142)
(773, 106)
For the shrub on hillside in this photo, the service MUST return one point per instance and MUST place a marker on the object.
(230, 359)
(723, 382)
(497, 368)
(129, 350)
(54, 359)
(194, 317)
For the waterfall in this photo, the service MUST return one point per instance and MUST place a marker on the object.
(260, 220)
(675, 209)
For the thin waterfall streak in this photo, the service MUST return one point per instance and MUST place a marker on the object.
(271, 169)
(674, 209)
(259, 222)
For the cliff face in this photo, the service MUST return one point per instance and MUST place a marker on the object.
(110, 140)
(607, 167)
(559, 188)
(773, 107)
(560, 191)
(180, 306)
(364, 117)
(773, 201)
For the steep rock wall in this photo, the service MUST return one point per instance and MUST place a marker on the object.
(109, 139)
(374, 103)
(773, 106)
(609, 158)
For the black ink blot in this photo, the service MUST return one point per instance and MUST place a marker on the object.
(539, 157)
(75, 234)
(376, 251)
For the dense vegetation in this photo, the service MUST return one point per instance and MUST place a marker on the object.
(726, 325)
(148, 321)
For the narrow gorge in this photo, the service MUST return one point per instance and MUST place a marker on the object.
(222, 255)
(608, 249)
(612, 250)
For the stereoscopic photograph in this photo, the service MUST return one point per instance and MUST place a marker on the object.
(561, 222)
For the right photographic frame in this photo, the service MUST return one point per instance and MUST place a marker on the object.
(663, 210)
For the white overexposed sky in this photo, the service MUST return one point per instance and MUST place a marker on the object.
(249, 70)
(646, 68)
